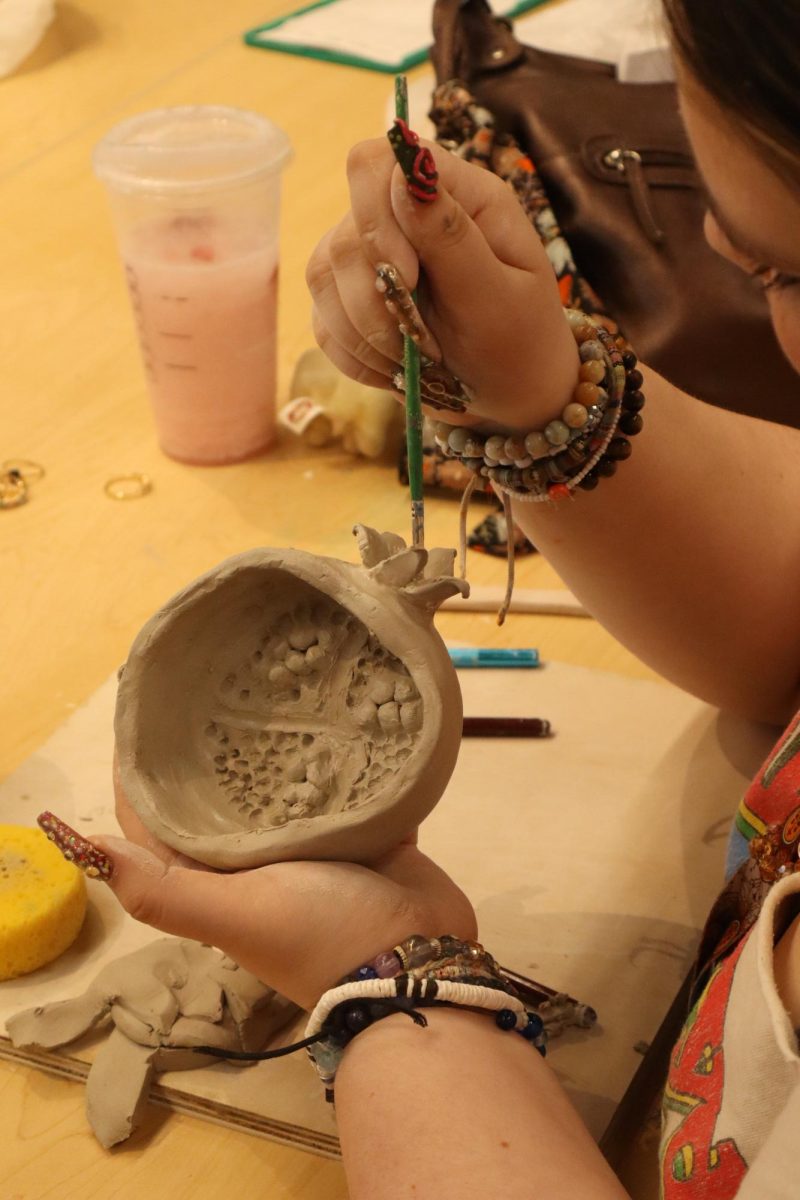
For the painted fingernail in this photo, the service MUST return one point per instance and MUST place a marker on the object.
(416, 162)
(76, 849)
(400, 304)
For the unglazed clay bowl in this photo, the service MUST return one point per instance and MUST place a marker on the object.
(287, 706)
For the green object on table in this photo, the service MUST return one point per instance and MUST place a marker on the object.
(411, 367)
(358, 33)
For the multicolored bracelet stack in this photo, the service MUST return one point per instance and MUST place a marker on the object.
(420, 972)
(584, 444)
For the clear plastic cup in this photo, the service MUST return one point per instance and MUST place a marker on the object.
(195, 196)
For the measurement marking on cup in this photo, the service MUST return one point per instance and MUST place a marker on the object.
(181, 366)
(184, 337)
(175, 299)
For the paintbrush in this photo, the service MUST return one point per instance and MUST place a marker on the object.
(411, 369)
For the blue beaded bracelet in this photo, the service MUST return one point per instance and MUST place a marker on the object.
(421, 973)
(376, 999)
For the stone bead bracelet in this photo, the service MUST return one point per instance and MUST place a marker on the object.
(577, 448)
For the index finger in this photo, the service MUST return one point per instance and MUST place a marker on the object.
(489, 205)
(369, 171)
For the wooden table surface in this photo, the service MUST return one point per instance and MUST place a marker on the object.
(81, 571)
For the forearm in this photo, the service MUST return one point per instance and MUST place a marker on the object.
(460, 1110)
(690, 555)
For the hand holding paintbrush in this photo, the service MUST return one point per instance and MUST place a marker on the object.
(489, 312)
(420, 171)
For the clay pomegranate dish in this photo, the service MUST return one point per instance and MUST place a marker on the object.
(287, 706)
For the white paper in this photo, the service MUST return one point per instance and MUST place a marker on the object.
(383, 31)
(630, 34)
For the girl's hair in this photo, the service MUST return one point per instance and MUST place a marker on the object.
(746, 55)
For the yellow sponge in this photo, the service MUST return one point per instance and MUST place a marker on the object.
(42, 901)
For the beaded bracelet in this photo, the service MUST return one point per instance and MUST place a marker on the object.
(429, 956)
(420, 972)
(575, 450)
(380, 998)
(468, 962)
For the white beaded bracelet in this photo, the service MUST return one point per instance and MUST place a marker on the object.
(468, 995)
(403, 993)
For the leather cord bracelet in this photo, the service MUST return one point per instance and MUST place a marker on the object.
(421, 973)
(418, 973)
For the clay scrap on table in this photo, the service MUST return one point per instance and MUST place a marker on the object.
(159, 1001)
(286, 705)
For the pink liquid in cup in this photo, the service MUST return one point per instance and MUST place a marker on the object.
(195, 197)
(204, 294)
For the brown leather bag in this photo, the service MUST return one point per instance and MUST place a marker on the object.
(618, 170)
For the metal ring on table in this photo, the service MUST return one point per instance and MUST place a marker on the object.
(128, 487)
(13, 489)
(29, 470)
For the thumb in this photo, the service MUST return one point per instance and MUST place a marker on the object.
(177, 899)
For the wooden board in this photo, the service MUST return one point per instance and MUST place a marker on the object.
(591, 858)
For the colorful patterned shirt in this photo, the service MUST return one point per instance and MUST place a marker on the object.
(731, 1109)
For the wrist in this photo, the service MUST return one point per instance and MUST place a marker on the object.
(584, 443)
(394, 1041)
(563, 374)
(372, 954)
(426, 974)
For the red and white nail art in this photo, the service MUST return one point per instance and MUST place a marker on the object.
(76, 849)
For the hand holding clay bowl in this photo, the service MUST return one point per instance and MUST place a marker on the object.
(287, 706)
